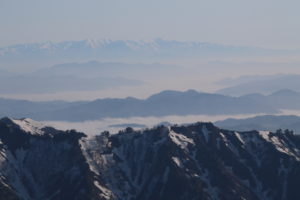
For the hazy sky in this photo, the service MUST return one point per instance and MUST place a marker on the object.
(267, 23)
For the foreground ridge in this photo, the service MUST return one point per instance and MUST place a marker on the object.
(197, 161)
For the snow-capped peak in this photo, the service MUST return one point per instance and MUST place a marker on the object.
(30, 126)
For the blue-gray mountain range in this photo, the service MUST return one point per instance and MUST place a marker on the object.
(95, 49)
(161, 104)
(260, 84)
(266, 122)
(85, 76)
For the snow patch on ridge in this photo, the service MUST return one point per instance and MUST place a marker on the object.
(280, 145)
(239, 136)
(177, 161)
(30, 126)
(180, 140)
(229, 144)
(107, 194)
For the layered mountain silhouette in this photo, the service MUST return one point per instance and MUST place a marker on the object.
(161, 104)
(266, 122)
(165, 103)
(108, 49)
(33, 84)
(260, 84)
(93, 69)
(197, 161)
(85, 76)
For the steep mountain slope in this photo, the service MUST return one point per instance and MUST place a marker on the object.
(198, 161)
(39, 162)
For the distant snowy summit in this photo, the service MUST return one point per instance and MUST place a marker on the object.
(197, 161)
(126, 48)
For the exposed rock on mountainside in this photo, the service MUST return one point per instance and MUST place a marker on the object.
(198, 161)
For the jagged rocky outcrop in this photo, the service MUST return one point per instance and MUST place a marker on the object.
(198, 161)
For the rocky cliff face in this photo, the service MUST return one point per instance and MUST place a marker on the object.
(42, 163)
(198, 161)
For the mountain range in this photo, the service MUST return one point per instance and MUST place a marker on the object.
(33, 84)
(161, 104)
(259, 84)
(197, 161)
(266, 122)
(85, 76)
(92, 49)
(165, 103)
(94, 69)
(35, 56)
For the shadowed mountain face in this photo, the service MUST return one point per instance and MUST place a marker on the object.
(42, 163)
(198, 161)
(165, 103)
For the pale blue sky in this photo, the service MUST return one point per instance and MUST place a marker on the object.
(266, 23)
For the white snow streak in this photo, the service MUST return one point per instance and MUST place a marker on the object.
(30, 126)
(180, 140)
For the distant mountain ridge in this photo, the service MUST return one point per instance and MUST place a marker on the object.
(161, 104)
(165, 103)
(120, 48)
(32, 84)
(261, 84)
(85, 76)
(94, 69)
(197, 161)
(266, 122)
